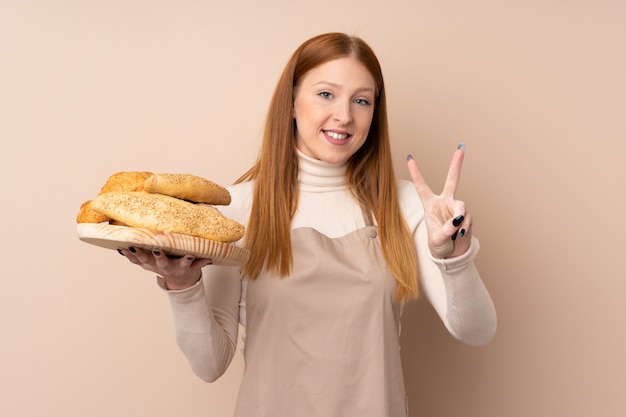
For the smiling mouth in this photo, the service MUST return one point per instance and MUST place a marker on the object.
(336, 136)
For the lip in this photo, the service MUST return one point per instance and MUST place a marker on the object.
(334, 140)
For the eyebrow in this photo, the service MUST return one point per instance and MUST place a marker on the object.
(332, 84)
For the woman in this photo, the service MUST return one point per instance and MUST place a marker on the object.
(337, 247)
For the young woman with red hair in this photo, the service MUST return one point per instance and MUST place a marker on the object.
(338, 246)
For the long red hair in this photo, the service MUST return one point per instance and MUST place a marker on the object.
(370, 172)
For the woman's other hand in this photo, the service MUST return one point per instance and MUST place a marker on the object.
(448, 224)
(173, 273)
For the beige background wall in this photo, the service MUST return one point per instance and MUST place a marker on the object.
(535, 89)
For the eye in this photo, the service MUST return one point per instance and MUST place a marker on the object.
(325, 94)
(362, 101)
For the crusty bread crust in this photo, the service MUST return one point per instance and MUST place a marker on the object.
(120, 181)
(163, 213)
(125, 181)
(187, 187)
(87, 215)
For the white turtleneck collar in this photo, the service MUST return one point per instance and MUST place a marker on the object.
(320, 176)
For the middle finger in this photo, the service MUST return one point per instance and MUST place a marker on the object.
(454, 173)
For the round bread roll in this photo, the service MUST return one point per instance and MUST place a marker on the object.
(187, 187)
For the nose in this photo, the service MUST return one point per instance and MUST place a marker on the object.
(342, 113)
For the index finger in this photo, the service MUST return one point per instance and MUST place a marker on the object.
(423, 190)
(454, 173)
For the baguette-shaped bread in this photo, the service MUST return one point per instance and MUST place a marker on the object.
(163, 213)
(188, 187)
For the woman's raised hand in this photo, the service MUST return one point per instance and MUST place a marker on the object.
(447, 222)
(173, 273)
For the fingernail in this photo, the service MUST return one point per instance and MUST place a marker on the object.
(120, 251)
(409, 157)
(454, 235)
(462, 232)
(458, 220)
(156, 252)
(461, 146)
(133, 250)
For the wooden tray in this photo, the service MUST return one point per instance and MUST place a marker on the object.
(113, 237)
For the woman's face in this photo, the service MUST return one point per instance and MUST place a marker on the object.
(333, 109)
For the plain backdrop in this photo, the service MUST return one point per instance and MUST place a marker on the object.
(534, 88)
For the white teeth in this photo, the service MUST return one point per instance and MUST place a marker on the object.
(338, 136)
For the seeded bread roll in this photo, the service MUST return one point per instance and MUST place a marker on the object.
(187, 187)
(163, 213)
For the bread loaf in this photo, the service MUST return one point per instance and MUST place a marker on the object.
(188, 187)
(167, 214)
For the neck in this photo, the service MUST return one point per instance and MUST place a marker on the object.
(316, 174)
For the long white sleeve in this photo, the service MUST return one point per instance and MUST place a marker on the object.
(452, 286)
(206, 320)
(207, 315)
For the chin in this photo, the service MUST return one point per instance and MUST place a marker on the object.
(334, 159)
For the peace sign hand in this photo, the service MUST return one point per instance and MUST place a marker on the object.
(448, 225)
